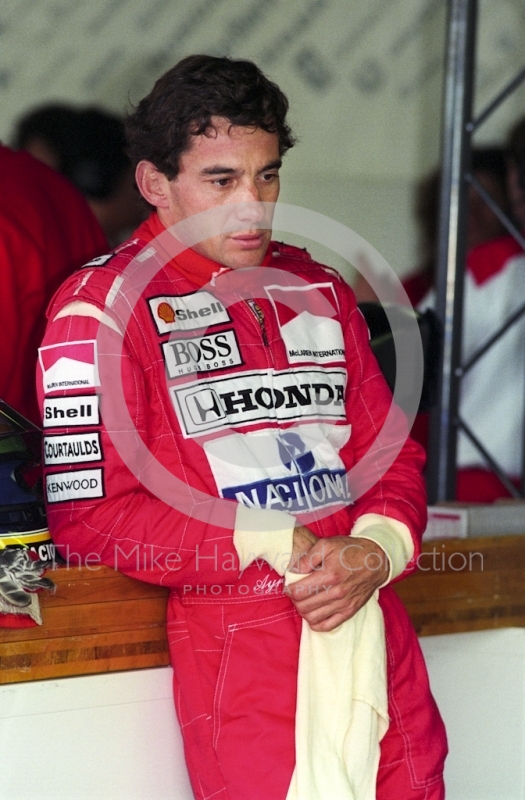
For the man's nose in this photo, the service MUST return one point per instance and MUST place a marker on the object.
(250, 208)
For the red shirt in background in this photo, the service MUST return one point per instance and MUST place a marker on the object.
(47, 230)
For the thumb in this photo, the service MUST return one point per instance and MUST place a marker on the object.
(315, 560)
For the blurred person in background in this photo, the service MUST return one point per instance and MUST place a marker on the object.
(46, 232)
(516, 172)
(87, 145)
(491, 401)
(490, 294)
(489, 167)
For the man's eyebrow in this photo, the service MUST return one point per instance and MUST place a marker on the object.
(273, 165)
(217, 169)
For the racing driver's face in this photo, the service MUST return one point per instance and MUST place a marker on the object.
(228, 164)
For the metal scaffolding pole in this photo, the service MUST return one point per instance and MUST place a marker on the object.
(441, 475)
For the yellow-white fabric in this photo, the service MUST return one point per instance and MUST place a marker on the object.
(263, 533)
(391, 535)
(268, 534)
(342, 703)
(341, 707)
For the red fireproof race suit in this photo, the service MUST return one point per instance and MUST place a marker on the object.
(206, 382)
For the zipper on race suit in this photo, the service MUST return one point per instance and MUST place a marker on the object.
(259, 315)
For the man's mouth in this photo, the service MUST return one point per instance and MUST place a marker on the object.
(250, 241)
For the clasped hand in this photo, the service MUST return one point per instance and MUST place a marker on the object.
(342, 574)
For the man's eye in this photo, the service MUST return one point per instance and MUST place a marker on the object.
(222, 181)
(269, 176)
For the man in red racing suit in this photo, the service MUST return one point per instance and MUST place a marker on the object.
(233, 397)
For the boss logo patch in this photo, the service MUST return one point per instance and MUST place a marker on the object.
(201, 354)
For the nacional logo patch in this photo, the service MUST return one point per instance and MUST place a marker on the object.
(71, 412)
(201, 354)
(70, 365)
(307, 320)
(72, 448)
(296, 469)
(187, 312)
(81, 484)
(212, 404)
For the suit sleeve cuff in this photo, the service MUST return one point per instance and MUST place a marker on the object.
(264, 533)
(391, 535)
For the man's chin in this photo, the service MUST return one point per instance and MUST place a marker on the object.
(232, 254)
(244, 262)
(245, 258)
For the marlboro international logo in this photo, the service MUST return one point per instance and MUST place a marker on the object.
(71, 365)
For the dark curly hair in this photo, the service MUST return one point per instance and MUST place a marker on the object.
(88, 143)
(184, 100)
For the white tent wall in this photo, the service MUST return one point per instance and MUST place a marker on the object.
(127, 741)
(364, 78)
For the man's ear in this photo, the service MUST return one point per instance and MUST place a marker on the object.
(153, 184)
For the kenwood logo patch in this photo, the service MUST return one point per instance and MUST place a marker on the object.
(79, 484)
(72, 448)
(202, 354)
(71, 412)
(188, 312)
(208, 405)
